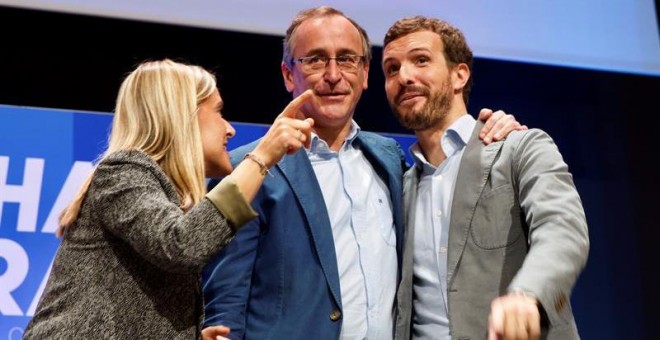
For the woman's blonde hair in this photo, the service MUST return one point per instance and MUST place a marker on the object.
(156, 113)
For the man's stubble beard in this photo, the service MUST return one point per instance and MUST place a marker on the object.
(431, 114)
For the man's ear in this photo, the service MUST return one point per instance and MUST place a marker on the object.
(287, 74)
(460, 76)
(365, 83)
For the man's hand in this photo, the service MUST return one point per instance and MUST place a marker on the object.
(497, 125)
(514, 316)
(215, 333)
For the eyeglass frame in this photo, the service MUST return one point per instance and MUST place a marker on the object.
(301, 61)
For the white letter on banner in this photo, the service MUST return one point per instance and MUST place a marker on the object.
(77, 176)
(17, 269)
(27, 195)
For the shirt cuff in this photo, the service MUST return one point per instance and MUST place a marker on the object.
(229, 201)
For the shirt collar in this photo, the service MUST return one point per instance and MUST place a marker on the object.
(455, 139)
(318, 145)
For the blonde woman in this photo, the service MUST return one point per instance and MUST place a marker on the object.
(137, 235)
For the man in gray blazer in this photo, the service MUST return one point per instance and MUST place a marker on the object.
(496, 235)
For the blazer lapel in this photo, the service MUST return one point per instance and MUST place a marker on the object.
(475, 167)
(410, 182)
(299, 173)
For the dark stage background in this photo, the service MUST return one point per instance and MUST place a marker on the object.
(603, 122)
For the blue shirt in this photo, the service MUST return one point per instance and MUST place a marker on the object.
(360, 211)
(432, 215)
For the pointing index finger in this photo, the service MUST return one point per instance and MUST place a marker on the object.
(291, 110)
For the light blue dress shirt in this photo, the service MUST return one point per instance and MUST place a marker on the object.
(432, 215)
(360, 211)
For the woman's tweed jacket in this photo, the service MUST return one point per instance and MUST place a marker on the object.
(128, 268)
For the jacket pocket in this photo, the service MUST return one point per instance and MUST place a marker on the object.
(496, 222)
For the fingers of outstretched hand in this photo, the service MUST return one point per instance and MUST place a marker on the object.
(495, 320)
(215, 333)
(288, 133)
(514, 316)
(296, 121)
(307, 132)
(286, 136)
(293, 109)
(294, 133)
(292, 117)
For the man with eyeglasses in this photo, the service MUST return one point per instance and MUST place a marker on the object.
(318, 63)
(323, 257)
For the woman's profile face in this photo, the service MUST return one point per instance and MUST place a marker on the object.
(215, 132)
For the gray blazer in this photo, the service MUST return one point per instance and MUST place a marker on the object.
(128, 268)
(517, 222)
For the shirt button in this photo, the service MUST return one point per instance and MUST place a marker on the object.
(438, 213)
(335, 315)
(443, 250)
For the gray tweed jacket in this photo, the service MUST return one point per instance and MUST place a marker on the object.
(129, 267)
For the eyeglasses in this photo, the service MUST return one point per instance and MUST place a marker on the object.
(316, 63)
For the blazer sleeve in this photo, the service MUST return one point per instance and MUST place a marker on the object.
(227, 279)
(130, 202)
(558, 237)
